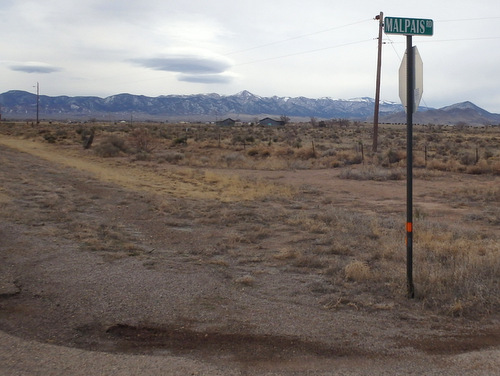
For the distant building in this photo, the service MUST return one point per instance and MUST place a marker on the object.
(226, 122)
(271, 122)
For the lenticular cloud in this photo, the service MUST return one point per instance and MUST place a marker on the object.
(34, 67)
(188, 64)
(192, 67)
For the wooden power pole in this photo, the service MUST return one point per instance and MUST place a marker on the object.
(37, 102)
(380, 18)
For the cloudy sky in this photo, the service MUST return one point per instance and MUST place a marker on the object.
(314, 48)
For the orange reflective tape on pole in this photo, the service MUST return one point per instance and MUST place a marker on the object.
(409, 227)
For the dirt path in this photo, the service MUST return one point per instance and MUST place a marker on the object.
(100, 278)
(433, 194)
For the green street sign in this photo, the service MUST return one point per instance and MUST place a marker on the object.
(408, 26)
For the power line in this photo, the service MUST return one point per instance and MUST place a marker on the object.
(391, 42)
(470, 19)
(296, 37)
(341, 27)
(450, 40)
(305, 52)
(349, 43)
(459, 39)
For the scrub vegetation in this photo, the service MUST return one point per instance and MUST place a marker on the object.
(299, 216)
(456, 268)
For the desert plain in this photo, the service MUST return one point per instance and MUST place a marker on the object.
(194, 249)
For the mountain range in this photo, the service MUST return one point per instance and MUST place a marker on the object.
(17, 104)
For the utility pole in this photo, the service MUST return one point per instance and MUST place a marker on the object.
(37, 102)
(380, 18)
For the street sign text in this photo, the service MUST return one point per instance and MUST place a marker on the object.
(408, 26)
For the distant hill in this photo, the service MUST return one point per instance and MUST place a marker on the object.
(210, 107)
(466, 113)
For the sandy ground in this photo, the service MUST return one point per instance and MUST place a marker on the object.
(100, 279)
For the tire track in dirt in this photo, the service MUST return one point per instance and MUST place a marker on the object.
(177, 182)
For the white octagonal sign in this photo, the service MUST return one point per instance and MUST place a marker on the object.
(418, 80)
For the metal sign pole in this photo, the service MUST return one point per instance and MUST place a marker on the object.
(409, 27)
(410, 80)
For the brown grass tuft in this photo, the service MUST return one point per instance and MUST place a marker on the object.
(246, 280)
(357, 271)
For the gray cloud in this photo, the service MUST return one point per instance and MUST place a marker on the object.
(34, 67)
(185, 64)
(206, 78)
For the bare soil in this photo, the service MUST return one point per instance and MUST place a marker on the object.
(99, 278)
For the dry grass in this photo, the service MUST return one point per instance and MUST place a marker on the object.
(455, 266)
(3, 196)
(272, 225)
(373, 173)
(455, 270)
(285, 254)
(246, 280)
(357, 271)
(477, 193)
(307, 223)
(184, 182)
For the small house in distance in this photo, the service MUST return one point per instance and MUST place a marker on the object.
(271, 122)
(226, 122)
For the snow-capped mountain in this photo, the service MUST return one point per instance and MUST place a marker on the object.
(20, 104)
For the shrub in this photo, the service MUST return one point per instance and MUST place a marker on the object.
(305, 154)
(231, 158)
(180, 141)
(394, 156)
(488, 154)
(283, 152)
(50, 138)
(62, 134)
(111, 146)
(142, 156)
(265, 153)
(87, 138)
(172, 157)
(308, 261)
(329, 153)
(349, 158)
(467, 159)
(495, 168)
(253, 152)
(143, 141)
(481, 167)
